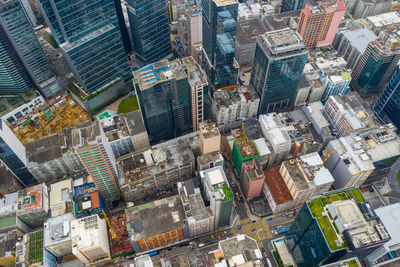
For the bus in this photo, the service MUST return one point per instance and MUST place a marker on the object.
(282, 231)
(153, 253)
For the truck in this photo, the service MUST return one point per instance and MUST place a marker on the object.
(284, 230)
(201, 245)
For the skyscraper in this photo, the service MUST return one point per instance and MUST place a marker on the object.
(13, 155)
(387, 109)
(90, 39)
(96, 154)
(278, 64)
(165, 100)
(219, 32)
(19, 44)
(374, 69)
(292, 5)
(318, 24)
(334, 226)
(149, 28)
(126, 41)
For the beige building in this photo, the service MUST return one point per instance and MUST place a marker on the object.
(305, 177)
(210, 138)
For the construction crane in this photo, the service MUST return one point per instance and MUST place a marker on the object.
(330, 153)
(113, 234)
(244, 138)
(39, 116)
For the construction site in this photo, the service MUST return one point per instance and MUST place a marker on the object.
(48, 119)
(120, 246)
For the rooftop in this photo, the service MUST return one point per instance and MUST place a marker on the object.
(240, 249)
(248, 30)
(277, 186)
(255, 172)
(158, 72)
(390, 217)
(360, 38)
(346, 211)
(208, 129)
(209, 157)
(383, 20)
(251, 151)
(225, 2)
(315, 110)
(63, 113)
(86, 134)
(8, 204)
(60, 195)
(156, 217)
(32, 199)
(352, 262)
(7, 243)
(217, 183)
(57, 229)
(280, 42)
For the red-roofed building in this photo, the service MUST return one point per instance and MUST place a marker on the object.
(276, 191)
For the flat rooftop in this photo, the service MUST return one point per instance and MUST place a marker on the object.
(57, 230)
(248, 30)
(156, 217)
(340, 211)
(210, 157)
(135, 122)
(208, 129)
(85, 134)
(385, 19)
(284, 41)
(240, 246)
(217, 183)
(32, 199)
(225, 2)
(277, 186)
(390, 217)
(352, 262)
(255, 172)
(360, 38)
(49, 120)
(157, 72)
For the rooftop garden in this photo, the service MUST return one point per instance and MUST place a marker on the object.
(129, 104)
(352, 263)
(227, 191)
(357, 195)
(35, 248)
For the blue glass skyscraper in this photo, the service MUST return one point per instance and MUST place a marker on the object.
(126, 41)
(19, 43)
(165, 100)
(149, 28)
(387, 109)
(292, 5)
(219, 32)
(90, 39)
(278, 64)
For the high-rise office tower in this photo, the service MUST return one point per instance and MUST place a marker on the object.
(126, 41)
(318, 24)
(292, 5)
(165, 100)
(278, 64)
(374, 69)
(149, 28)
(90, 39)
(97, 156)
(13, 155)
(335, 226)
(387, 109)
(20, 45)
(219, 32)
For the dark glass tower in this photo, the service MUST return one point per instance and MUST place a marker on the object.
(374, 69)
(278, 64)
(164, 96)
(19, 43)
(387, 109)
(292, 5)
(149, 28)
(90, 38)
(12, 154)
(126, 41)
(219, 32)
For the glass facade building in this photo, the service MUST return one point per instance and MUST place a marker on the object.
(90, 39)
(165, 100)
(126, 41)
(149, 28)
(387, 109)
(278, 64)
(12, 154)
(374, 69)
(219, 32)
(292, 5)
(19, 43)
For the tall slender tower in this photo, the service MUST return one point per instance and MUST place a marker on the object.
(90, 39)
(387, 109)
(374, 69)
(96, 154)
(149, 26)
(219, 32)
(20, 45)
(318, 24)
(278, 64)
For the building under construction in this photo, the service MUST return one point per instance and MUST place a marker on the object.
(33, 205)
(47, 119)
(156, 171)
(242, 151)
(122, 247)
